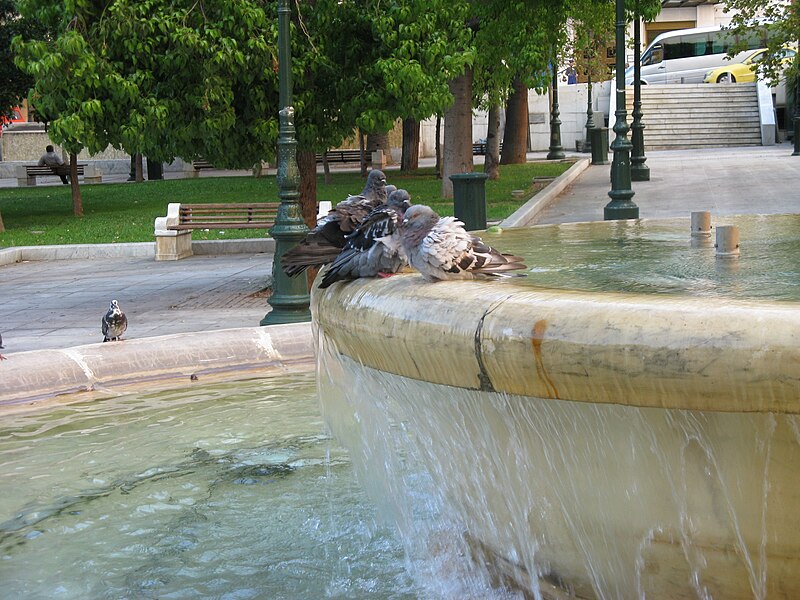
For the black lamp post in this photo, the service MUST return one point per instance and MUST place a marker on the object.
(796, 135)
(639, 170)
(587, 146)
(290, 299)
(621, 205)
(556, 151)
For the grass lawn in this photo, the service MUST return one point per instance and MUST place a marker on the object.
(124, 212)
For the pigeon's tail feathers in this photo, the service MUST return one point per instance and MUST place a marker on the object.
(305, 255)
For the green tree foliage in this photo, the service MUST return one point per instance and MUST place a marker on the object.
(159, 78)
(782, 21)
(14, 83)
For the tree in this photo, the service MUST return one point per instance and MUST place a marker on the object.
(458, 132)
(14, 83)
(780, 19)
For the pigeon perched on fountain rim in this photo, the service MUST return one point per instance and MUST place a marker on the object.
(324, 243)
(114, 323)
(374, 247)
(441, 249)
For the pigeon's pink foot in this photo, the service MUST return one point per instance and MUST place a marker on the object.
(385, 275)
(3, 357)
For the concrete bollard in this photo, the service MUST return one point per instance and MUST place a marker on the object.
(727, 241)
(701, 224)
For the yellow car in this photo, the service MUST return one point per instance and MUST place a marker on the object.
(745, 70)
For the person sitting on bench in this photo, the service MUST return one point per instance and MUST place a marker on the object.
(55, 162)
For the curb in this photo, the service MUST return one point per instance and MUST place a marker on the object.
(35, 379)
(528, 212)
(130, 250)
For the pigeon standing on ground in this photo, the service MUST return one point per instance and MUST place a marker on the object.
(1, 347)
(440, 248)
(374, 247)
(323, 243)
(114, 323)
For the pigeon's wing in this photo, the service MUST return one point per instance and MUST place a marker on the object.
(352, 211)
(449, 252)
(324, 243)
(379, 223)
(104, 324)
(374, 247)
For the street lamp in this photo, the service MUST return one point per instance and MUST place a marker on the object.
(621, 205)
(796, 135)
(556, 151)
(290, 299)
(639, 170)
(587, 147)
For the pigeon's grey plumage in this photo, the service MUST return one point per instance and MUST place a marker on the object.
(374, 247)
(1, 347)
(323, 243)
(440, 248)
(114, 323)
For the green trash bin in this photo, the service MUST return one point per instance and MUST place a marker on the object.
(155, 169)
(469, 199)
(599, 138)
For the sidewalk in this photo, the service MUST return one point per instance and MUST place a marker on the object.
(59, 304)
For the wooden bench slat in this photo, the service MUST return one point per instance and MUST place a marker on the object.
(232, 205)
(184, 226)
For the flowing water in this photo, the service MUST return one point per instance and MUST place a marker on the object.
(600, 500)
(227, 491)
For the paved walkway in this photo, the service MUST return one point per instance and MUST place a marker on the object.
(59, 304)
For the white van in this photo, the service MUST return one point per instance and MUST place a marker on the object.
(686, 55)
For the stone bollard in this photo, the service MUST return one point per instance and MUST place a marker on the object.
(727, 241)
(701, 224)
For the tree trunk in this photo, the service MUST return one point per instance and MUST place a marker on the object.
(438, 147)
(362, 147)
(2, 227)
(77, 202)
(326, 168)
(491, 164)
(380, 141)
(139, 169)
(410, 159)
(458, 132)
(307, 166)
(515, 138)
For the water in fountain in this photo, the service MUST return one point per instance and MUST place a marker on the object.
(558, 498)
(225, 491)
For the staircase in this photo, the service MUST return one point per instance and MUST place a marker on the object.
(702, 115)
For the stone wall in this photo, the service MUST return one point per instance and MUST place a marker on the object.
(572, 100)
(26, 143)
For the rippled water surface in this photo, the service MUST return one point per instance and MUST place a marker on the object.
(660, 257)
(227, 491)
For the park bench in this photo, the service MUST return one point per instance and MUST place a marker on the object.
(174, 231)
(27, 174)
(193, 169)
(479, 148)
(345, 156)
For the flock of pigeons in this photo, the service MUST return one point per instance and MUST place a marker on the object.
(379, 231)
(375, 234)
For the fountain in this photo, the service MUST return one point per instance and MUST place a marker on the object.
(622, 424)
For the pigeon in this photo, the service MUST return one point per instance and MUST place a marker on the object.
(373, 249)
(441, 249)
(114, 323)
(324, 243)
(1, 347)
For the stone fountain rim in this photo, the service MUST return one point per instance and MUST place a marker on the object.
(40, 379)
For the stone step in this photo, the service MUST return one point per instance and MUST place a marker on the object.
(710, 144)
(698, 115)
